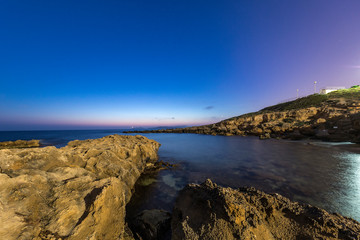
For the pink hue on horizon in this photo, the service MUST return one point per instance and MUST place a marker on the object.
(115, 124)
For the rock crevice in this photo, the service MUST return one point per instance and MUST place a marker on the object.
(76, 192)
(208, 211)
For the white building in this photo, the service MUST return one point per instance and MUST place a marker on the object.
(330, 89)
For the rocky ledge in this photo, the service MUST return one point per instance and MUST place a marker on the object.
(20, 144)
(75, 192)
(208, 211)
(336, 119)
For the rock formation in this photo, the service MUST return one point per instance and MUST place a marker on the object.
(151, 224)
(75, 192)
(336, 119)
(208, 211)
(20, 144)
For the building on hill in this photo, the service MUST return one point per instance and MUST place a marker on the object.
(330, 89)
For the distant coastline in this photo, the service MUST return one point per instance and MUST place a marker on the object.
(331, 117)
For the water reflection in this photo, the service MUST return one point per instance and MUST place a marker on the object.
(322, 174)
(325, 175)
(350, 181)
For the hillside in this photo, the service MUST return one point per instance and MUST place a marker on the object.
(331, 117)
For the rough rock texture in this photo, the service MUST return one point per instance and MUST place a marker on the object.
(334, 120)
(75, 192)
(20, 144)
(151, 224)
(208, 211)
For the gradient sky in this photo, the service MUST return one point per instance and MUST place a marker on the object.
(111, 64)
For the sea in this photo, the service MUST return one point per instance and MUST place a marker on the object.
(326, 175)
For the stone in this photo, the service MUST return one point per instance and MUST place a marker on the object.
(19, 144)
(265, 136)
(75, 192)
(307, 121)
(211, 212)
(320, 120)
(151, 224)
(296, 135)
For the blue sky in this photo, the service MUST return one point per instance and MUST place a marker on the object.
(110, 64)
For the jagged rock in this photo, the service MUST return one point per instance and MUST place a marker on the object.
(208, 211)
(307, 131)
(343, 114)
(257, 131)
(151, 224)
(296, 135)
(20, 144)
(265, 136)
(75, 192)
(320, 120)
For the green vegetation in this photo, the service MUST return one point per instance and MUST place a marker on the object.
(350, 93)
(314, 100)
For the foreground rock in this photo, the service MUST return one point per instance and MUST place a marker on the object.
(20, 144)
(151, 224)
(75, 192)
(208, 211)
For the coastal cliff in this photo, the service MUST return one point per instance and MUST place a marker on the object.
(210, 212)
(331, 117)
(75, 192)
(80, 192)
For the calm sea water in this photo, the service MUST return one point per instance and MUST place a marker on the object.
(322, 174)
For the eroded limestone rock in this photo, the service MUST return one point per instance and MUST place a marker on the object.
(339, 119)
(208, 211)
(20, 144)
(151, 224)
(75, 192)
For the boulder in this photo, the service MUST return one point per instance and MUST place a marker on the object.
(75, 192)
(208, 211)
(265, 136)
(320, 120)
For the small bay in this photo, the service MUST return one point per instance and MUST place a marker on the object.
(326, 175)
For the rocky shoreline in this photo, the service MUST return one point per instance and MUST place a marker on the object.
(208, 211)
(20, 144)
(336, 120)
(76, 192)
(80, 192)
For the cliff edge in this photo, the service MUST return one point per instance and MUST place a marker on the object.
(330, 117)
(210, 212)
(75, 192)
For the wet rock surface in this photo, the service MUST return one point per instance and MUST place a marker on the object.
(75, 192)
(208, 211)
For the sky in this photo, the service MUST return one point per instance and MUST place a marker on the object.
(117, 64)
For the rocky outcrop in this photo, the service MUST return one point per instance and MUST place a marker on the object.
(333, 120)
(20, 144)
(151, 224)
(208, 211)
(75, 192)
